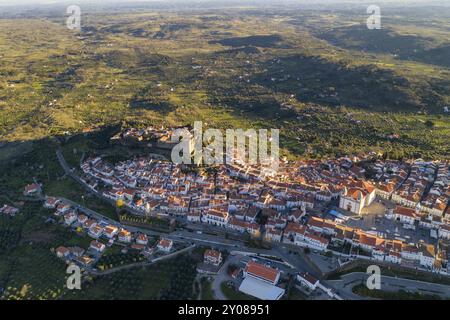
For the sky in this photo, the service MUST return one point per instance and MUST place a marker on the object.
(17, 2)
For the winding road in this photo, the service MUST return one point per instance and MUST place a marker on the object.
(222, 275)
(348, 281)
(142, 264)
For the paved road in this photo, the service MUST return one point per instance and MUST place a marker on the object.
(70, 172)
(91, 213)
(297, 258)
(222, 275)
(142, 264)
(344, 290)
(348, 281)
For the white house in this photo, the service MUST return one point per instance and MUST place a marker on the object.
(314, 242)
(308, 280)
(296, 214)
(142, 239)
(444, 231)
(194, 217)
(427, 255)
(216, 217)
(97, 246)
(273, 235)
(95, 231)
(82, 219)
(124, 236)
(62, 252)
(51, 202)
(404, 215)
(410, 253)
(165, 245)
(393, 257)
(70, 217)
(31, 189)
(213, 257)
(110, 231)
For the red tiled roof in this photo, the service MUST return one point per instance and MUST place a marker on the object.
(97, 244)
(295, 228)
(165, 243)
(217, 213)
(405, 211)
(262, 271)
(62, 250)
(212, 253)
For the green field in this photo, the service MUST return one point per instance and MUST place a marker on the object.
(113, 257)
(207, 293)
(233, 294)
(328, 83)
(28, 267)
(362, 290)
(172, 279)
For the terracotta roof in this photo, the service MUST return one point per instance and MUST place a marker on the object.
(212, 253)
(261, 271)
(97, 244)
(142, 237)
(165, 243)
(217, 213)
(31, 187)
(317, 238)
(295, 228)
(124, 233)
(62, 250)
(321, 223)
(110, 229)
(405, 211)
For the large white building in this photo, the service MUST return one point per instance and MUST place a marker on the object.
(216, 217)
(260, 282)
(405, 215)
(356, 196)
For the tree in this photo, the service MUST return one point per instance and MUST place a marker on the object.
(429, 123)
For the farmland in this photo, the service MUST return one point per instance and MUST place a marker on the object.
(332, 86)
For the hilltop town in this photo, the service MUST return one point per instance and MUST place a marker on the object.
(355, 208)
(285, 207)
(358, 176)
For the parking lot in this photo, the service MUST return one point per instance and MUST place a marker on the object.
(374, 220)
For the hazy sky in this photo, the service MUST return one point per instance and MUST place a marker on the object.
(49, 2)
(16, 2)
